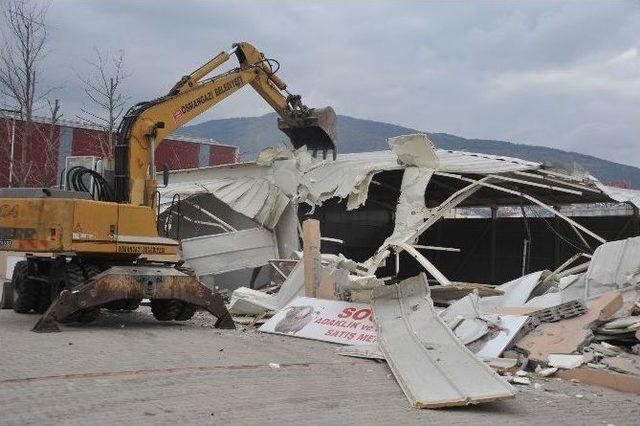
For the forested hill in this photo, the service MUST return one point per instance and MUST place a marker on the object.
(252, 134)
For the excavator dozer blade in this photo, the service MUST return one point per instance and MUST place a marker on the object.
(316, 130)
(134, 282)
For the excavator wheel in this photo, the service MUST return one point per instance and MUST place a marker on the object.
(44, 299)
(26, 292)
(166, 309)
(187, 312)
(90, 314)
(72, 276)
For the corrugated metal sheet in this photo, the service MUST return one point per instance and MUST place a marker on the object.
(620, 194)
(450, 161)
(232, 251)
(472, 162)
(431, 365)
(614, 266)
(256, 198)
(350, 175)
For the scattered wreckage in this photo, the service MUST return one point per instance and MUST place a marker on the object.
(473, 266)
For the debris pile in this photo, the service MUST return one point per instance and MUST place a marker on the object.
(447, 341)
(525, 333)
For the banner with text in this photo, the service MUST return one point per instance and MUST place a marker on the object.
(328, 320)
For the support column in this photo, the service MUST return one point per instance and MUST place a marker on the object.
(494, 214)
(311, 256)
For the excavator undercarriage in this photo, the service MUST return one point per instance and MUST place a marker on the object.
(174, 295)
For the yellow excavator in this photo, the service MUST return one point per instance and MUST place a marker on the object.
(91, 251)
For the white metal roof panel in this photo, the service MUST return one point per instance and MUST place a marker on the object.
(431, 365)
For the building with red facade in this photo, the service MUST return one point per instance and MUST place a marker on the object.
(41, 161)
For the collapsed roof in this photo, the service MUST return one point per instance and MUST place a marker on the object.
(426, 184)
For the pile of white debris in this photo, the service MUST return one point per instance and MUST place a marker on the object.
(447, 342)
(464, 343)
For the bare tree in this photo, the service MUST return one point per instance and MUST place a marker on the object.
(22, 49)
(49, 135)
(104, 90)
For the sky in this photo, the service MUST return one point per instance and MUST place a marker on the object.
(558, 74)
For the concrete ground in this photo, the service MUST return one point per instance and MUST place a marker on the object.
(129, 368)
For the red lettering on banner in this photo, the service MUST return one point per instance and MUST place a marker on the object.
(346, 312)
(362, 314)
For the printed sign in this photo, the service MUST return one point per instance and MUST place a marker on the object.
(328, 320)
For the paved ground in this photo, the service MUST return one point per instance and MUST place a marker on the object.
(132, 369)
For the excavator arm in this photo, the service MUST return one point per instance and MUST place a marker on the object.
(147, 124)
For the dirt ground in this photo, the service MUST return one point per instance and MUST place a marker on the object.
(129, 368)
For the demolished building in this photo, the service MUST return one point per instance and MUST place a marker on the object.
(465, 265)
(460, 216)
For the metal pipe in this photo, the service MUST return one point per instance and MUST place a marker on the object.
(437, 248)
(575, 270)
(528, 197)
(539, 185)
(435, 273)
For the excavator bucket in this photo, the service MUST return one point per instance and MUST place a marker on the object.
(317, 130)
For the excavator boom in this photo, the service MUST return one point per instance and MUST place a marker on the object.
(147, 124)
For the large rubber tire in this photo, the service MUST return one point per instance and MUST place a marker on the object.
(165, 309)
(44, 298)
(89, 315)
(187, 312)
(73, 276)
(26, 292)
(6, 300)
(41, 269)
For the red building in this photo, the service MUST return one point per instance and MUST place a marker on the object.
(42, 159)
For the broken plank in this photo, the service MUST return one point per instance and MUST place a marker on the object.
(361, 351)
(430, 364)
(459, 290)
(569, 335)
(311, 256)
(502, 364)
(608, 379)
(624, 363)
(326, 287)
(513, 310)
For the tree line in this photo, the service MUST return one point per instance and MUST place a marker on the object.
(24, 98)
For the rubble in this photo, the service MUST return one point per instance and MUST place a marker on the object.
(567, 336)
(388, 294)
(609, 379)
(361, 351)
(566, 361)
(545, 371)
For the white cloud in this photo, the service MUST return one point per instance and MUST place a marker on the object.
(535, 72)
(618, 74)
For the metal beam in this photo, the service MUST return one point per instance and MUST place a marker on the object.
(435, 273)
(528, 197)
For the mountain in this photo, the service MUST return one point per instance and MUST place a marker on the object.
(252, 134)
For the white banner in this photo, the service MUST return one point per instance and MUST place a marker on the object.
(328, 320)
